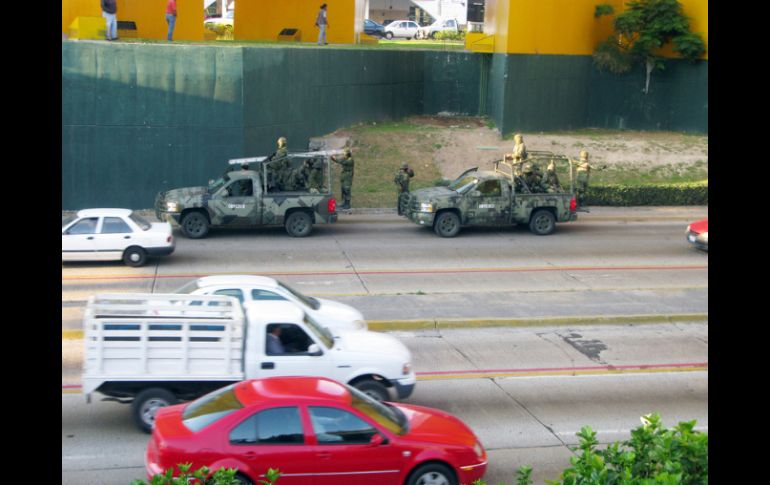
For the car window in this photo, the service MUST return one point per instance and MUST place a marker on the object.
(229, 292)
(210, 408)
(84, 226)
(115, 225)
(240, 188)
(307, 300)
(413, 25)
(140, 221)
(464, 184)
(490, 188)
(278, 426)
(337, 426)
(65, 222)
(383, 414)
(292, 339)
(265, 295)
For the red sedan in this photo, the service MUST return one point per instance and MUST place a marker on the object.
(698, 234)
(315, 431)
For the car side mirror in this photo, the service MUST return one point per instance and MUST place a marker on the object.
(377, 440)
(314, 350)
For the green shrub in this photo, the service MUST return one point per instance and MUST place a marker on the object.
(223, 476)
(448, 35)
(695, 193)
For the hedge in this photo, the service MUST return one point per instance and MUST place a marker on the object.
(693, 193)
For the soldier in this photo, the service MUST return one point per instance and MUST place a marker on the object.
(346, 177)
(402, 183)
(315, 178)
(533, 177)
(551, 179)
(518, 155)
(583, 171)
(280, 171)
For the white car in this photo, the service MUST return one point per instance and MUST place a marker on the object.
(334, 315)
(401, 28)
(113, 235)
(446, 25)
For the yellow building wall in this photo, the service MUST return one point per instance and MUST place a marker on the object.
(566, 27)
(149, 15)
(264, 19)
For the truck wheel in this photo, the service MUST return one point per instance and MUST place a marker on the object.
(146, 404)
(447, 224)
(373, 389)
(135, 256)
(542, 222)
(388, 35)
(195, 225)
(432, 473)
(299, 224)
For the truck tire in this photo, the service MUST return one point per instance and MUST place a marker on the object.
(389, 35)
(146, 404)
(432, 473)
(447, 224)
(299, 224)
(542, 222)
(195, 225)
(373, 389)
(135, 256)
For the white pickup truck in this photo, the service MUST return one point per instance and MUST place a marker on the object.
(153, 350)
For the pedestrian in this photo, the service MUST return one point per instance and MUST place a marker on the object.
(402, 184)
(110, 14)
(322, 23)
(171, 18)
(346, 177)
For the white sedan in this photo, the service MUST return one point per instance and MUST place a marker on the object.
(401, 28)
(113, 235)
(334, 315)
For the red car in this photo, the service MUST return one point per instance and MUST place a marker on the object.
(698, 234)
(315, 431)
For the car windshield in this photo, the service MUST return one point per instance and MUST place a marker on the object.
(218, 183)
(140, 221)
(383, 413)
(188, 288)
(322, 333)
(307, 300)
(463, 184)
(210, 408)
(67, 220)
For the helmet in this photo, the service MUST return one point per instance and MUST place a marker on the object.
(404, 165)
(282, 141)
(527, 168)
(517, 138)
(552, 166)
(583, 155)
(348, 153)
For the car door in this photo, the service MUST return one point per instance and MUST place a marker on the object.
(115, 235)
(411, 29)
(295, 359)
(78, 240)
(274, 438)
(238, 203)
(345, 452)
(489, 203)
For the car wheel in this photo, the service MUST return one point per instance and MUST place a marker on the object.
(147, 403)
(432, 474)
(389, 35)
(240, 479)
(432, 35)
(299, 224)
(408, 38)
(542, 222)
(135, 256)
(373, 389)
(447, 224)
(195, 225)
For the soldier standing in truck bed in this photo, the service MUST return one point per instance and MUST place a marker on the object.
(402, 183)
(315, 179)
(346, 177)
(280, 170)
(583, 172)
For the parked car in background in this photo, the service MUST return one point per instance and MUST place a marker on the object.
(113, 235)
(401, 28)
(221, 25)
(698, 234)
(430, 31)
(245, 288)
(314, 427)
(373, 28)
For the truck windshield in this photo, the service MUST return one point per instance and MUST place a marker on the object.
(307, 300)
(383, 413)
(188, 288)
(322, 333)
(463, 184)
(210, 408)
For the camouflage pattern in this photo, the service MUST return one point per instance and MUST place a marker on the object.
(346, 176)
(226, 207)
(315, 178)
(551, 180)
(483, 197)
(402, 186)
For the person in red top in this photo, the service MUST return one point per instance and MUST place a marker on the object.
(171, 17)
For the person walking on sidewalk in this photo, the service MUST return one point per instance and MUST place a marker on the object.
(171, 18)
(110, 14)
(322, 24)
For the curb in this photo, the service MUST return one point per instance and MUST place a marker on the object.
(439, 323)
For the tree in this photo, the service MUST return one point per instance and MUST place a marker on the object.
(640, 31)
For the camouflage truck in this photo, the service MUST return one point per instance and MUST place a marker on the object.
(499, 196)
(253, 196)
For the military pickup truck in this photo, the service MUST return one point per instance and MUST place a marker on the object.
(250, 195)
(500, 196)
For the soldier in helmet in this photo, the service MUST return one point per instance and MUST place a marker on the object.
(583, 172)
(280, 170)
(315, 174)
(346, 177)
(551, 179)
(533, 177)
(518, 155)
(402, 183)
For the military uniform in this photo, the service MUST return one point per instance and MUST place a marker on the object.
(402, 183)
(279, 171)
(518, 156)
(583, 172)
(315, 178)
(346, 177)
(533, 177)
(551, 179)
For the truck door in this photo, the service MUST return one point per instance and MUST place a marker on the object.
(489, 203)
(239, 203)
(286, 352)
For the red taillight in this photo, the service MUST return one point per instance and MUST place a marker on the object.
(332, 205)
(573, 204)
